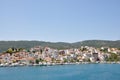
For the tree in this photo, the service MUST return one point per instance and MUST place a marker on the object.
(9, 51)
(113, 57)
(65, 60)
(37, 61)
(40, 60)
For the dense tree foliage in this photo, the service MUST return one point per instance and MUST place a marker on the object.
(5, 45)
(113, 57)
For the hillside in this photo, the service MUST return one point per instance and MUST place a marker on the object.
(4, 45)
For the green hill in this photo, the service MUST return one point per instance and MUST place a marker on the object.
(4, 45)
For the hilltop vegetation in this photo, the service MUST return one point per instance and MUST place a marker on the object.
(4, 45)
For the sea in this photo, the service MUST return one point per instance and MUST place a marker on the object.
(62, 72)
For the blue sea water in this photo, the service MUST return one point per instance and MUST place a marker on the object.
(62, 72)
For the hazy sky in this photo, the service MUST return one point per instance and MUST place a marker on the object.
(59, 20)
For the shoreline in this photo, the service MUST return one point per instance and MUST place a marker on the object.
(53, 64)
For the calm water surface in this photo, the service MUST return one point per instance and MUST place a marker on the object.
(63, 72)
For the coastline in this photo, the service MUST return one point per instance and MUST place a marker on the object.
(53, 64)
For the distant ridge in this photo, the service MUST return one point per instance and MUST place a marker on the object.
(4, 45)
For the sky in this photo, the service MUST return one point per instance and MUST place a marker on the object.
(60, 20)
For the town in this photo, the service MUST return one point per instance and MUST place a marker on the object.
(39, 55)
